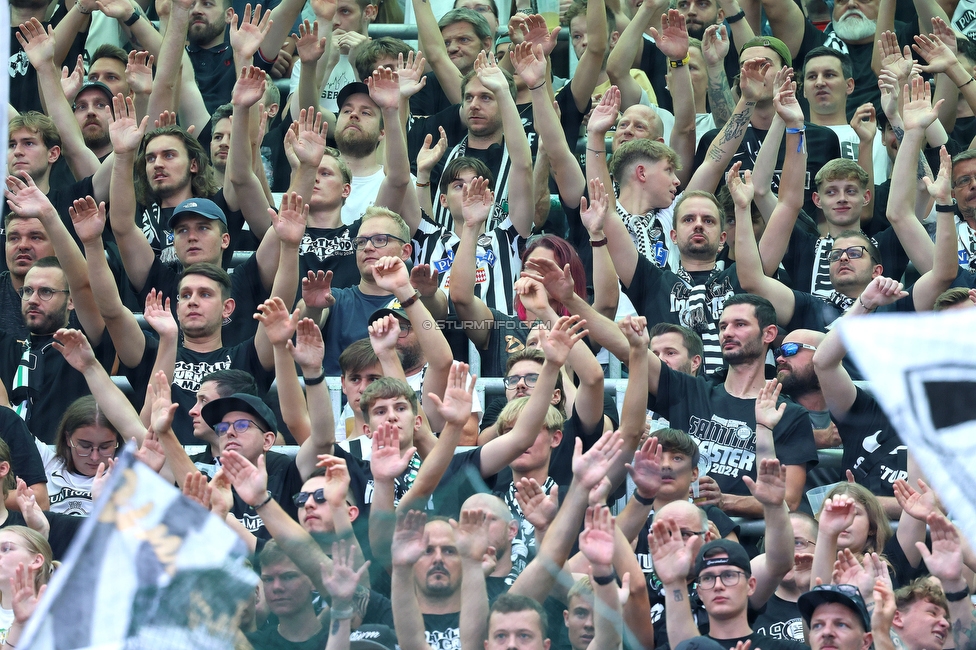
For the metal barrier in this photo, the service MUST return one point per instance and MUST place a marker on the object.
(409, 32)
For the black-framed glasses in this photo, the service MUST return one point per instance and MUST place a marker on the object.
(852, 252)
(688, 534)
(729, 579)
(240, 426)
(378, 241)
(44, 293)
(788, 350)
(512, 380)
(302, 498)
(86, 449)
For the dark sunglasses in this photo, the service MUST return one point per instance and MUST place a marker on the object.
(791, 349)
(301, 498)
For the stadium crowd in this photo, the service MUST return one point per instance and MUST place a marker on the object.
(211, 209)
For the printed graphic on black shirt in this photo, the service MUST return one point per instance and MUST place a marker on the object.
(325, 247)
(727, 446)
(189, 376)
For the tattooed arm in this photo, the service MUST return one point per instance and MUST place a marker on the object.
(715, 47)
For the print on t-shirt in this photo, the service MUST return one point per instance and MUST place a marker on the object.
(189, 376)
(726, 445)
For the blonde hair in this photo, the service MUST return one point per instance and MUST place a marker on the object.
(506, 419)
(36, 545)
(373, 212)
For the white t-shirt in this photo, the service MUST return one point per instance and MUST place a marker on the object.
(363, 191)
(848, 149)
(70, 493)
(6, 620)
(342, 74)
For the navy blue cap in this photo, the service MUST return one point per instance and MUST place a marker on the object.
(200, 207)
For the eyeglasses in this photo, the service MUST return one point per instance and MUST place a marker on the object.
(240, 426)
(405, 328)
(86, 449)
(963, 181)
(302, 498)
(852, 252)
(800, 543)
(688, 534)
(788, 350)
(44, 293)
(378, 241)
(729, 579)
(512, 380)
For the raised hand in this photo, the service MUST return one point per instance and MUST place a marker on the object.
(558, 341)
(596, 540)
(752, 79)
(310, 47)
(533, 296)
(250, 481)
(409, 539)
(75, 348)
(884, 606)
(279, 324)
(32, 512)
(837, 515)
(893, 58)
(593, 213)
(559, 282)
(634, 328)
(646, 470)
(390, 273)
(102, 476)
(917, 111)
(27, 200)
(471, 534)
(715, 45)
(848, 570)
(942, 31)
(384, 88)
(246, 38)
(221, 495)
(159, 395)
(944, 561)
(423, 277)
(38, 44)
(931, 48)
(337, 479)
(117, 9)
(306, 137)
(386, 461)
(151, 451)
(125, 133)
(740, 186)
(768, 414)
(384, 333)
(317, 290)
(538, 508)
(429, 156)
(865, 124)
(290, 220)
(324, 9)
(604, 115)
(196, 488)
(918, 504)
(592, 467)
(139, 72)
(158, 314)
(769, 488)
(672, 40)
(410, 74)
(881, 291)
(476, 202)
(529, 62)
(785, 100)
(940, 189)
(26, 594)
(72, 81)
(673, 556)
(491, 76)
(249, 88)
(341, 581)
(456, 405)
(890, 95)
(535, 32)
(308, 350)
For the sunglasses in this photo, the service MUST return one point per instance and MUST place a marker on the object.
(788, 350)
(301, 498)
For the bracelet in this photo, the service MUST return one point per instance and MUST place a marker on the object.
(345, 613)
(599, 243)
(83, 11)
(603, 581)
(315, 381)
(801, 130)
(11, 645)
(409, 301)
(967, 83)
(427, 184)
(863, 306)
(641, 500)
(735, 17)
(596, 151)
(133, 19)
(956, 596)
(537, 87)
(679, 64)
(265, 502)
(946, 207)
(764, 426)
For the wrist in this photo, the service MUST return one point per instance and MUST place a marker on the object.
(954, 587)
(860, 301)
(312, 372)
(643, 498)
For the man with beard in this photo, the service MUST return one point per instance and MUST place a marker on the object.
(93, 112)
(795, 373)
(26, 241)
(853, 30)
(220, 141)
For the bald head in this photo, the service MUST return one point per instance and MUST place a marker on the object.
(810, 337)
(794, 367)
(490, 503)
(638, 122)
(686, 514)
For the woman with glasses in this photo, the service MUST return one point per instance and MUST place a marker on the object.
(84, 439)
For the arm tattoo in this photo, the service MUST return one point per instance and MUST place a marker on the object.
(734, 129)
(335, 626)
(720, 97)
(678, 597)
(964, 636)
(897, 642)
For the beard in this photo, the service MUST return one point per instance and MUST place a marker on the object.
(29, 4)
(356, 144)
(201, 34)
(747, 352)
(96, 139)
(796, 383)
(50, 322)
(411, 356)
(854, 26)
(165, 191)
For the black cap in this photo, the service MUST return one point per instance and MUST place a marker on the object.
(846, 595)
(736, 556)
(700, 643)
(386, 311)
(97, 85)
(214, 412)
(354, 88)
(372, 637)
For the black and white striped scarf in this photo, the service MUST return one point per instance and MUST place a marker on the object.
(967, 244)
(442, 216)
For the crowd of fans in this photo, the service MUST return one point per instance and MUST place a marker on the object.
(211, 209)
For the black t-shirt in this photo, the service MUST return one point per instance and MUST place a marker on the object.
(25, 460)
(812, 312)
(63, 529)
(764, 642)
(724, 427)
(284, 481)
(273, 153)
(872, 448)
(504, 339)
(331, 249)
(267, 638)
(216, 74)
(52, 384)
(24, 94)
(780, 620)
(822, 146)
(695, 300)
(191, 367)
(430, 99)
(443, 631)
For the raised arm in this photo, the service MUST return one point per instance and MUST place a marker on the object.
(409, 545)
(597, 543)
(476, 202)
(622, 56)
(672, 40)
(471, 532)
(170, 59)
(603, 117)
(246, 191)
(945, 265)
(432, 43)
(590, 65)
(944, 562)
(593, 214)
(715, 47)
(673, 559)
(787, 22)
(308, 350)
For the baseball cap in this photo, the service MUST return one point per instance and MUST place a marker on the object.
(354, 88)
(700, 643)
(201, 207)
(386, 311)
(215, 411)
(846, 595)
(735, 556)
(97, 85)
(372, 637)
(773, 43)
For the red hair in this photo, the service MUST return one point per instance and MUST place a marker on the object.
(565, 254)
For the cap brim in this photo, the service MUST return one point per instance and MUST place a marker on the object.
(214, 412)
(811, 600)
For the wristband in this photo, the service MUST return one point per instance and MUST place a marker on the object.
(679, 64)
(947, 207)
(736, 17)
(801, 130)
(967, 83)
(764, 426)
(603, 581)
(537, 87)
(427, 184)
(265, 502)
(599, 243)
(341, 614)
(315, 381)
(83, 11)
(596, 151)
(409, 301)
(133, 19)
(641, 500)
(956, 596)
(863, 306)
